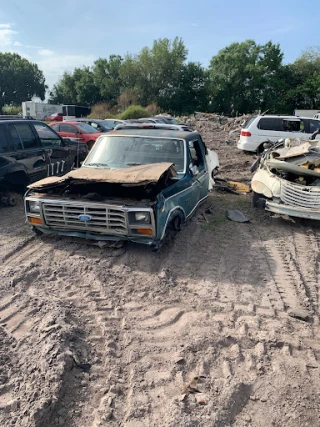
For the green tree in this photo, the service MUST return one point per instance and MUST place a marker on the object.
(20, 80)
(306, 74)
(190, 92)
(64, 92)
(159, 67)
(107, 77)
(244, 75)
(77, 87)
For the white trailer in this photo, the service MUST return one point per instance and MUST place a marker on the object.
(306, 113)
(39, 110)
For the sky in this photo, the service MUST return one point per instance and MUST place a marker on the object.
(63, 34)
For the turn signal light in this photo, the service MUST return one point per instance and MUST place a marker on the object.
(245, 133)
(144, 231)
(35, 220)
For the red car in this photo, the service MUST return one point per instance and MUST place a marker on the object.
(81, 131)
(54, 117)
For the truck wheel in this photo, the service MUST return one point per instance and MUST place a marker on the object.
(12, 199)
(37, 231)
(258, 201)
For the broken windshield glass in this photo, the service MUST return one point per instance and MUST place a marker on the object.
(124, 151)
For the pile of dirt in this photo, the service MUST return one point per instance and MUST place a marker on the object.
(234, 163)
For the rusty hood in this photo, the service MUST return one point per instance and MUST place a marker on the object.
(134, 175)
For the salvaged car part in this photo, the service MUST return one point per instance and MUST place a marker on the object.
(287, 179)
(233, 187)
(236, 215)
(136, 184)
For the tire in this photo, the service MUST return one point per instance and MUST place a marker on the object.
(260, 149)
(37, 232)
(258, 201)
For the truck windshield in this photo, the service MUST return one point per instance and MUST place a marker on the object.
(117, 152)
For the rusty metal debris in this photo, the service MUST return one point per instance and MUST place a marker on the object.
(136, 175)
(233, 187)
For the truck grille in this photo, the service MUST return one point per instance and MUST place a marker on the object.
(104, 219)
(299, 195)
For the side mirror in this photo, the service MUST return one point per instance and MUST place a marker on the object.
(194, 170)
(65, 141)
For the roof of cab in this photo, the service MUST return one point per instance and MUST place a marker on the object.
(161, 133)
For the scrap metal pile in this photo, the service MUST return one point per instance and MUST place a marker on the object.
(297, 161)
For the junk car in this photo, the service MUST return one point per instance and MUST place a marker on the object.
(137, 183)
(286, 178)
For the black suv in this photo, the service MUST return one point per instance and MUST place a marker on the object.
(30, 150)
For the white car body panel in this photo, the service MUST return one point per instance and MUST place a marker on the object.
(213, 164)
(259, 136)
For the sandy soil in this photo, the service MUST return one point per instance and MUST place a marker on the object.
(220, 328)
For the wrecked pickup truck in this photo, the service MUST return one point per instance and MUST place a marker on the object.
(287, 178)
(137, 183)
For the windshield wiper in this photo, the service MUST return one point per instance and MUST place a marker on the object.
(98, 164)
(133, 164)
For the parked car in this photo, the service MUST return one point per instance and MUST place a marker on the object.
(167, 119)
(82, 131)
(112, 123)
(163, 126)
(55, 117)
(260, 129)
(136, 184)
(29, 151)
(151, 120)
(286, 178)
(99, 124)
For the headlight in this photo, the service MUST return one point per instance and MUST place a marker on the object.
(34, 207)
(276, 188)
(139, 218)
(260, 188)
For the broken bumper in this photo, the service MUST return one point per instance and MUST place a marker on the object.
(100, 237)
(289, 210)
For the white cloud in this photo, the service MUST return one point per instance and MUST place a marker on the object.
(6, 35)
(54, 65)
(45, 52)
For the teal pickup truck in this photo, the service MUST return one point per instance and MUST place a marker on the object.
(137, 182)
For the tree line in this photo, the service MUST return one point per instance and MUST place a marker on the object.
(242, 78)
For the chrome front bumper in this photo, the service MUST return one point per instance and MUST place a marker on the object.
(289, 210)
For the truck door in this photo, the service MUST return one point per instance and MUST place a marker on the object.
(199, 168)
(60, 157)
(27, 150)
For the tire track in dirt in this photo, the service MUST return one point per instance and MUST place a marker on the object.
(229, 351)
(285, 258)
(103, 322)
(35, 336)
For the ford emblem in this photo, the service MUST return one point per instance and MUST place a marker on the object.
(84, 218)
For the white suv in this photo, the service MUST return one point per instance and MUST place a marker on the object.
(260, 129)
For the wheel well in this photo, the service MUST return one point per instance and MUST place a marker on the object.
(177, 213)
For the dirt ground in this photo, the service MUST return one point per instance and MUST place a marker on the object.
(220, 328)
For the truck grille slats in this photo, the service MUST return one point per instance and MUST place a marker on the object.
(298, 195)
(104, 219)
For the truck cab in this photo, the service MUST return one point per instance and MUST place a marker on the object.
(136, 183)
